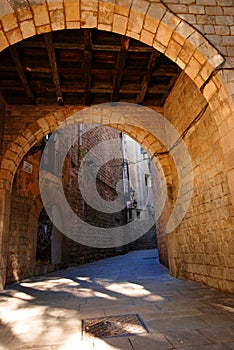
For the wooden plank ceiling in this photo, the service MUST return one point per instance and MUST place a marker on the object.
(84, 67)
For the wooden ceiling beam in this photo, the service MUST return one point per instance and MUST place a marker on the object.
(78, 46)
(95, 71)
(54, 67)
(8, 69)
(120, 66)
(92, 67)
(87, 66)
(16, 58)
(141, 49)
(154, 57)
(164, 73)
(101, 90)
(12, 88)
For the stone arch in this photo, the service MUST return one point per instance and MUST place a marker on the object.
(141, 130)
(151, 23)
(67, 116)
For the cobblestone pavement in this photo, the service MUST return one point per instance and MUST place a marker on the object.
(46, 312)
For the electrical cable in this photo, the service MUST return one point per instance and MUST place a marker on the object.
(184, 133)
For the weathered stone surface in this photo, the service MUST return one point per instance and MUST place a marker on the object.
(27, 28)
(47, 312)
(204, 246)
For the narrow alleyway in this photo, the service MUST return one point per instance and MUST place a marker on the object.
(47, 312)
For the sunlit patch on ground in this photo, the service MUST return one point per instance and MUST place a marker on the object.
(46, 313)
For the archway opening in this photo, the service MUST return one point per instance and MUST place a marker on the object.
(130, 167)
(44, 232)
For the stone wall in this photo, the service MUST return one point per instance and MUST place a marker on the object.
(18, 119)
(207, 226)
(25, 206)
(214, 19)
(23, 223)
(202, 246)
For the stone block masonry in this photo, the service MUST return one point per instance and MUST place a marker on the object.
(202, 246)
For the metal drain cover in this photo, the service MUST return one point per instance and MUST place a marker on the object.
(113, 326)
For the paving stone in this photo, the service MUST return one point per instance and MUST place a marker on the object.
(154, 314)
(47, 312)
(120, 310)
(150, 342)
(177, 305)
(218, 334)
(208, 310)
(112, 343)
(205, 347)
(180, 338)
(5, 340)
(177, 323)
(214, 320)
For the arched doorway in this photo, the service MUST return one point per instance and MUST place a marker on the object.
(49, 245)
(44, 233)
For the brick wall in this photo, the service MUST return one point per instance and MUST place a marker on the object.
(106, 180)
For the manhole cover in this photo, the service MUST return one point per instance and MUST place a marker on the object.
(113, 326)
